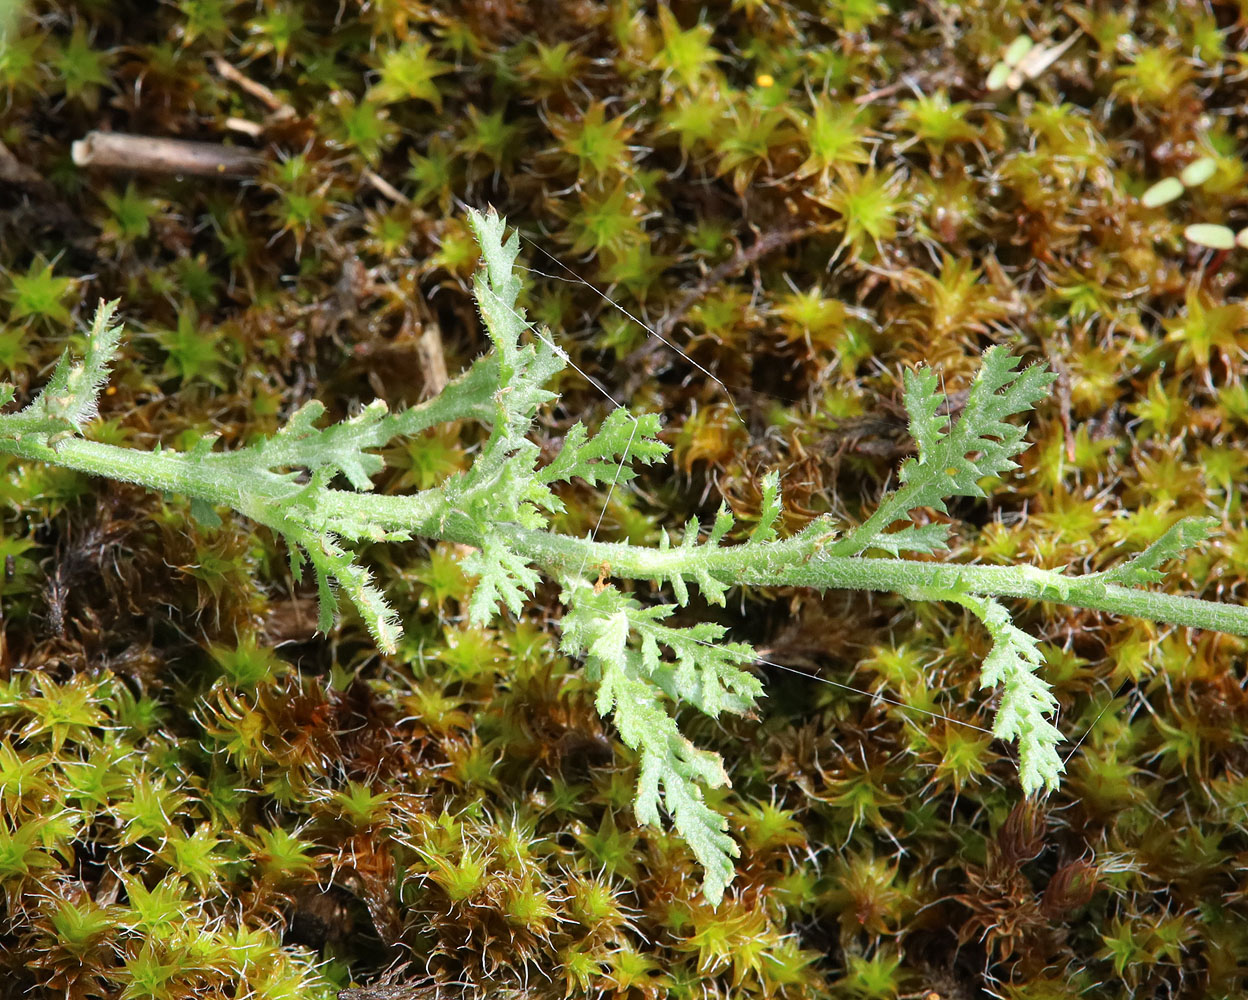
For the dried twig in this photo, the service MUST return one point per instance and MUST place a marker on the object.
(432, 358)
(148, 154)
(245, 125)
(887, 91)
(13, 171)
(259, 91)
(385, 187)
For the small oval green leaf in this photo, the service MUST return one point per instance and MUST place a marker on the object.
(997, 77)
(1199, 171)
(1162, 193)
(1208, 234)
(1017, 50)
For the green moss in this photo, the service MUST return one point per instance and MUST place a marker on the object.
(185, 765)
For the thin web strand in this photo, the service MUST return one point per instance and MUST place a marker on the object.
(654, 333)
(576, 278)
(875, 696)
(1092, 725)
(729, 387)
(571, 364)
(619, 469)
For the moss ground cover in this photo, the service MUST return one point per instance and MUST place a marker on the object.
(198, 793)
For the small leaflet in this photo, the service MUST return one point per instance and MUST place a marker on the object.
(1208, 234)
(1162, 193)
(1199, 171)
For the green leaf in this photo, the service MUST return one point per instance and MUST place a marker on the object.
(523, 371)
(203, 512)
(500, 487)
(712, 589)
(1162, 193)
(1211, 235)
(632, 685)
(504, 577)
(338, 448)
(1198, 171)
(193, 351)
(497, 288)
(672, 768)
(922, 400)
(407, 74)
(765, 530)
(912, 538)
(723, 524)
(606, 457)
(39, 293)
(706, 674)
(1180, 536)
(1015, 51)
(1026, 701)
(607, 651)
(952, 459)
(71, 397)
(980, 443)
(333, 564)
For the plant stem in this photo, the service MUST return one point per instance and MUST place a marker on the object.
(260, 487)
(237, 479)
(798, 562)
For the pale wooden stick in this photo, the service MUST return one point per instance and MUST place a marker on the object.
(120, 151)
(257, 90)
(385, 187)
(429, 350)
(245, 125)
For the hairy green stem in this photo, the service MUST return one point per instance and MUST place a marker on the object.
(798, 562)
(233, 478)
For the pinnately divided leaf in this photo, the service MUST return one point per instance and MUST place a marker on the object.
(1026, 701)
(71, 396)
(504, 577)
(606, 456)
(952, 459)
(337, 447)
(1179, 537)
(707, 673)
(980, 443)
(524, 371)
(497, 287)
(673, 767)
(631, 688)
(913, 538)
(769, 510)
(333, 564)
